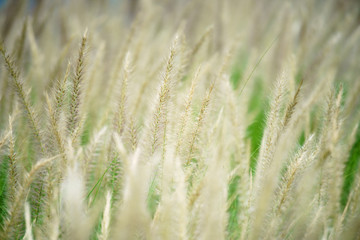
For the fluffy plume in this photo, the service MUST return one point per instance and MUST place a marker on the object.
(179, 120)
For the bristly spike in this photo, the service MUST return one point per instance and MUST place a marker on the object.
(76, 99)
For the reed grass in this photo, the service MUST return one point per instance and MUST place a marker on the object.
(180, 120)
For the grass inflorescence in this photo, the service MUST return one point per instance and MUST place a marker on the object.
(181, 119)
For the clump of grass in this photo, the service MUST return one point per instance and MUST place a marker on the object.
(167, 121)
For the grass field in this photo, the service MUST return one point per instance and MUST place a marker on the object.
(144, 119)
